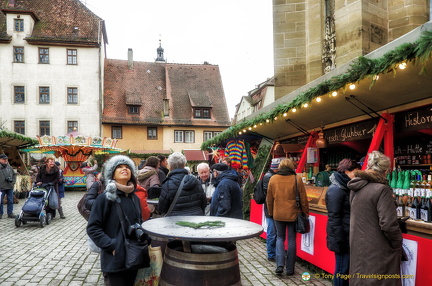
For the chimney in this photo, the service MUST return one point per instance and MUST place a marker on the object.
(130, 59)
(11, 3)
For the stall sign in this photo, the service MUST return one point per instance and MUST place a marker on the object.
(312, 155)
(415, 119)
(301, 140)
(351, 132)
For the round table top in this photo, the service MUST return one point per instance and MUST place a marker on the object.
(234, 229)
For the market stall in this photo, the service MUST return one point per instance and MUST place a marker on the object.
(378, 102)
(10, 144)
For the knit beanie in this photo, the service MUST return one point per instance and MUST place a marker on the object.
(109, 168)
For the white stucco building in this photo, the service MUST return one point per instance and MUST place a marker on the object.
(51, 57)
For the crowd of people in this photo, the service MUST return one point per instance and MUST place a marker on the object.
(362, 230)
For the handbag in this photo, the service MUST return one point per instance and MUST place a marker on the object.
(302, 222)
(82, 209)
(154, 191)
(136, 252)
(150, 276)
(53, 202)
(176, 196)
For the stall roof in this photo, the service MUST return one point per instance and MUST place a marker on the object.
(195, 155)
(11, 139)
(394, 88)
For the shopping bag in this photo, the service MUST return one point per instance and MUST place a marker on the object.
(53, 202)
(150, 276)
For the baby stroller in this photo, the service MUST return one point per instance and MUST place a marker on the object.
(35, 205)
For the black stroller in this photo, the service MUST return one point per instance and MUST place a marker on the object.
(35, 205)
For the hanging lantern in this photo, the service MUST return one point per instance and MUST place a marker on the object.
(321, 142)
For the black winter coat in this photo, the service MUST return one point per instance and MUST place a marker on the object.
(338, 208)
(227, 197)
(266, 180)
(192, 199)
(104, 228)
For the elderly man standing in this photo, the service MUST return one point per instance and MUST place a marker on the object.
(227, 197)
(7, 182)
(207, 183)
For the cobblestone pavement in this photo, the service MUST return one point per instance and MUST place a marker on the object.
(57, 254)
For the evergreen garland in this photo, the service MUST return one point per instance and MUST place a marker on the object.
(17, 136)
(262, 159)
(418, 52)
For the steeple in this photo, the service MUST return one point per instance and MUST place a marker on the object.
(160, 54)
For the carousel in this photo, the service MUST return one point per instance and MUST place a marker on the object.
(74, 149)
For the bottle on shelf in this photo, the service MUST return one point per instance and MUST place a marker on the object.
(429, 198)
(418, 196)
(425, 211)
(413, 196)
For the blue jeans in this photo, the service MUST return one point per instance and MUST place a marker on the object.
(9, 194)
(289, 260)
(271, 238)
(342, 267)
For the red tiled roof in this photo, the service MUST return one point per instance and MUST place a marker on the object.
(195, 155)
(150, 83)
(56, 21)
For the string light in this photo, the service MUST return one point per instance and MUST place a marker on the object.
(305, 105)
(267, 120)
(352, 86)
(275, 118)
(294, 110)
(318, 99)
(402, 66)
(334, 93)
(285, 114)
(244, 130)
(260, 123)
(255, 126)
(250, 128)
(376, 77)
(240, 133)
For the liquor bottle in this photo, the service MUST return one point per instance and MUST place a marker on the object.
(429, 200)
(406, 196)
(412, 195)
(419, 196)
(425, 211)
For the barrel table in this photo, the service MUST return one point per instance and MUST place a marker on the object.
(192, 256)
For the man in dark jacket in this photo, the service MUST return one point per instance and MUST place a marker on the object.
(271, 229)
(7, 182)
(227, 197)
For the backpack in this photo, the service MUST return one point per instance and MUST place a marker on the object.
(259, 194)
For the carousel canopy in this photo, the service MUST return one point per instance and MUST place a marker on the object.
(74, 147)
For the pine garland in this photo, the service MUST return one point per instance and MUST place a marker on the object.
(418, 52)
(207, 224)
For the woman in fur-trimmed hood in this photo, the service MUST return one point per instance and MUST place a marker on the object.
(375, 237)
(104, 226)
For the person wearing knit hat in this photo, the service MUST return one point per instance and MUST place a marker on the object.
(104, 225)
(275, 163)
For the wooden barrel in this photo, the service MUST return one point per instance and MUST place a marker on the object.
(190, 269)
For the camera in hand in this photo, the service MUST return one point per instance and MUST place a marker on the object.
(137, 232)
(9, 180)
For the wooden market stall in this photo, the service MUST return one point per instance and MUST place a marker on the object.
(356, 113)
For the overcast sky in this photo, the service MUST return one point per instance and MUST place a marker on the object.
(236, 35)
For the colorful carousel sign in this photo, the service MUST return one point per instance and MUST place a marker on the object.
(74, 149)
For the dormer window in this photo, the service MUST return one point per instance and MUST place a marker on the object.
(19, 25)
(134, 109)
(201, 113)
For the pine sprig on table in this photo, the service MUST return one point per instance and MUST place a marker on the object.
(209, 224)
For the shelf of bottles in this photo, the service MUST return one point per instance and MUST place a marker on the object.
(412, 192)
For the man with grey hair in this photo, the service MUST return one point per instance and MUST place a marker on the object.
(207, 183)
(192, 200)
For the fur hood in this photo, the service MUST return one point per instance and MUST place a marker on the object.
(146, 173)
(362, 178)
(109, 168)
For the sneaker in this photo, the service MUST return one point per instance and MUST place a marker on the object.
(279, 270)
(289, 273)
(11, 216)
(62, 217)
(271, 259)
